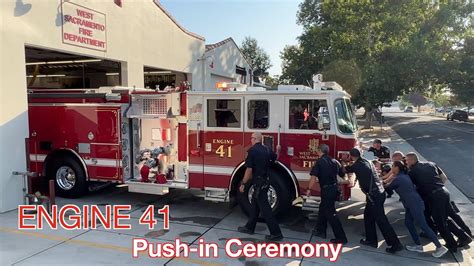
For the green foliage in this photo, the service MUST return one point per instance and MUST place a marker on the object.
(272, 81)
(462, 75)
(441, 100)
(258, 59)
(417, 99)
(346, 72)
(388, 47)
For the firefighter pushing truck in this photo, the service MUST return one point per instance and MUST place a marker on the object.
(156, 140)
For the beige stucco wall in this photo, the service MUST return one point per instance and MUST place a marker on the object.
(138, 34)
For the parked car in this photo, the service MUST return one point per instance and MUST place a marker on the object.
(457, 115)
(408, 109)
(469, 111)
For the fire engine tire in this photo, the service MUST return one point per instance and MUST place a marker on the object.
(69, 177)
(278, 188)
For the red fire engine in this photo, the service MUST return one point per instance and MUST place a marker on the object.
(156, 140)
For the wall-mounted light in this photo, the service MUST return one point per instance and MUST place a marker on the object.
(111, 74)
(59, 21)
(63, 62)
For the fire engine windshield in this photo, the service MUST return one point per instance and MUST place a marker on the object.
(346, 121)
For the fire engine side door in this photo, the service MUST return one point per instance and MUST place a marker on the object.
(103, 159)
(263, 114)
(195, 140)
(32, 146)
(304, 117)
(223, 138)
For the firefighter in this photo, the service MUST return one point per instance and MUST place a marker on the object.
(374, 212)
(380, 151)
(414, 209)
(437, 199)
(258, 162)
(325, 172)
(398, 156)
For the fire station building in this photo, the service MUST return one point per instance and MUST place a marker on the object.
(67, 44)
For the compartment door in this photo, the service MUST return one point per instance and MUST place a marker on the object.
(104, 160)
(195, 141)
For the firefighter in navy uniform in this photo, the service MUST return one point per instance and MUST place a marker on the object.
(258, 162)
(325, 171)
(380, 151)
(374, 213)
(425, 176)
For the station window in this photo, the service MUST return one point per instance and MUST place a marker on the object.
(257, 111)
(224, 113)
(305, 114)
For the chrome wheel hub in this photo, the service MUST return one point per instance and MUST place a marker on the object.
(65, 177)
(271, 194)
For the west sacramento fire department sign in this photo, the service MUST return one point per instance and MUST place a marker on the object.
(83, 27)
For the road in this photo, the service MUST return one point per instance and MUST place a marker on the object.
(449, 144)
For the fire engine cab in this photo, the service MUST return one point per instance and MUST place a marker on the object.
(153, 141)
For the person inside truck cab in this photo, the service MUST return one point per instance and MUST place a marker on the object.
(299, 116)
(309, 121)
(306, 119)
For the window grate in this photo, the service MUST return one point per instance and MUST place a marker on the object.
(155, 106)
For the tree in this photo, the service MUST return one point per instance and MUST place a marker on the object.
(293, 67)
(258, 59)
(394, 47)
(417, 99)
(440, 97)
(346, 72)
(272, 81)
(462, 74)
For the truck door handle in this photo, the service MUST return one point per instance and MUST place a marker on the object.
(278, 136)
(198, 135)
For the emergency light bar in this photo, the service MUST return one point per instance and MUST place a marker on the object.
(235, 86)
(221, 85)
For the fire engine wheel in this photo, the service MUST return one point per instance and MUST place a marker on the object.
(65, 177)
(69, 177)
(278, 195)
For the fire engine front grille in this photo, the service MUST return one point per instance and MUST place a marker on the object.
(155, 106)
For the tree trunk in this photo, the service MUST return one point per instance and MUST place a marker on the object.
(368, 118)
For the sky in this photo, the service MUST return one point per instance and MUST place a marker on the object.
(271, 22)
